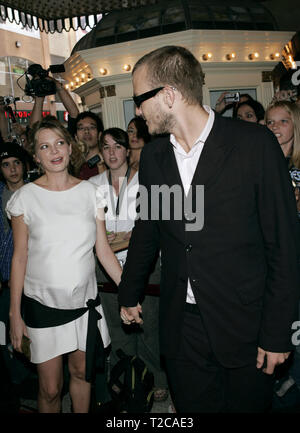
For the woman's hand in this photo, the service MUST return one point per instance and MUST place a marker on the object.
(111, 236)
(17, 330)
(221, 103)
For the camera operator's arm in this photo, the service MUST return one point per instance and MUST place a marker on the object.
(3, 121)
(37, 111)
(66, 99)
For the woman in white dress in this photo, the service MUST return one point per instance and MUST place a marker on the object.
(57, 220)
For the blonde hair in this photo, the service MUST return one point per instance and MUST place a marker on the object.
(77, 156)
(294, 111)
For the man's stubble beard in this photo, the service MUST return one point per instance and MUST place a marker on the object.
(165, 123)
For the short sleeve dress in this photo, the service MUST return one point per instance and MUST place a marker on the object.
(60, 271)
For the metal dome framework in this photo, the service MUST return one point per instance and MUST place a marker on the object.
(174, 16)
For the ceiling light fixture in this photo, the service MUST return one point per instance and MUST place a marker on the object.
(230, 56)
(253, 56)
(274, 56)
(207, 56)
(127, 67)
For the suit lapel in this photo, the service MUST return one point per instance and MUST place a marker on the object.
(167, 162)
(214, 154)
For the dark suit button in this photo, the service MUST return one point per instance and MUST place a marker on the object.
(188, 248)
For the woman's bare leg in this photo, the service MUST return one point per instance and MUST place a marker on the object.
(50, 375)
(80, 390)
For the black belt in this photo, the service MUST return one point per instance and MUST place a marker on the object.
(191, 308)
(37, 315)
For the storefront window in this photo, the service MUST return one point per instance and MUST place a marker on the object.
(11, 70)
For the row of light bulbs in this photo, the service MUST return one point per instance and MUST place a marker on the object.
(251, 56)
(205, 57)
(78, 81)
(83, 78)
(126, 68)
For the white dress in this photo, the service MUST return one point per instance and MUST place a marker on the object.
(60, 271)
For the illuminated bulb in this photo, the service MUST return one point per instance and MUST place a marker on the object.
(77, 79)
(207, 56)
(82, 75)
(127, 68)
(274, 56)
(103, 71)
(67, 86)
(72, 83)
(253, 56)
(230, 56)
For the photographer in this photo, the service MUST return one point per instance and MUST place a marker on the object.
(225, 101)
(66, 99)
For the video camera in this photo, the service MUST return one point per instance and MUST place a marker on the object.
(38, 85)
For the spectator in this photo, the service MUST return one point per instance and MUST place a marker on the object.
(250, 111)
(12, 176)
(223, 105)
(120, 217)
(89, 128)
(138, 135)
(283, 119)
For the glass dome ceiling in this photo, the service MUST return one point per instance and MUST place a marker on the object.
(174, 16)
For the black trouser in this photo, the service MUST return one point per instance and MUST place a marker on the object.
(199, 383)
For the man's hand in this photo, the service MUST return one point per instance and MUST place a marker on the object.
(131, 315)
(272, 359)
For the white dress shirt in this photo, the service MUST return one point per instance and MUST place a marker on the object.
(187, 163)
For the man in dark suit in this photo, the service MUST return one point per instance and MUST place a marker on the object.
(229, 275)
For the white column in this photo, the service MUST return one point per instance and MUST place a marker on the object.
(112, 111)
(267, 93)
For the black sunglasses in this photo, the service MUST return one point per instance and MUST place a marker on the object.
(138, 100)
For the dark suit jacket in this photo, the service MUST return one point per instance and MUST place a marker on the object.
(243, 263)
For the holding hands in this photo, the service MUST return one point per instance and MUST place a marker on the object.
(131, 315)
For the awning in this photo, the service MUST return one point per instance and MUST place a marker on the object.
(58, 15)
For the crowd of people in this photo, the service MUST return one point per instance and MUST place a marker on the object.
(210, 311)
